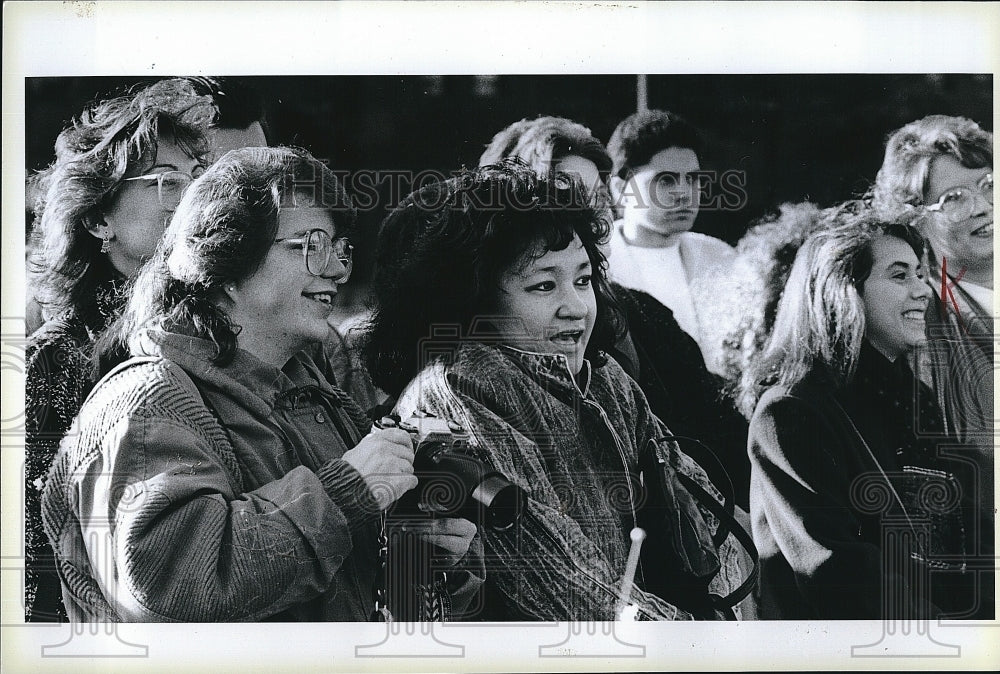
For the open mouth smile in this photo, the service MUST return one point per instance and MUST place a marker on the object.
(984, 231)
(567, 337)
(324, 297)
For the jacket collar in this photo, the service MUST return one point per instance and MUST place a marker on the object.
(247, 378)
(550, 370)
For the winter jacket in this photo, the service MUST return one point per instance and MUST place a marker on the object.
(850, 508)
(575, 451)
(193, 492)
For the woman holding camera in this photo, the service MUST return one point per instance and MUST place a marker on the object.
(220, 474)
(844, 485)
(493, 308)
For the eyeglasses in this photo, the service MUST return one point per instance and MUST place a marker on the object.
(958, 203)
(170, 186)
(318, 249)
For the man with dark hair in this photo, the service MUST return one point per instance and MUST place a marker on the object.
(656, 183)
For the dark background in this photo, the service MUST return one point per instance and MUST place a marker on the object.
(817, 137)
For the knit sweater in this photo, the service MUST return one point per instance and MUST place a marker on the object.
(195, 492)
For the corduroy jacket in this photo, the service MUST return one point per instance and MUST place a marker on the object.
(224, 500)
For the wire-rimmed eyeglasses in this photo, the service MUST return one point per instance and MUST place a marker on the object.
(170, 186)
(958, 203)
(319, 249)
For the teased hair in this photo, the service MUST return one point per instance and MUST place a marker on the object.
(902, 179)
(642, 134)
(220, 233)
(820, 320)
(110, 140)
(442, 253)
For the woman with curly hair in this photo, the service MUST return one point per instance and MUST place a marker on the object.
(221, 474)
(836, 460)
(493, 311)
(120, 170)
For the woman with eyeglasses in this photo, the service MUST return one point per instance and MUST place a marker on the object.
(219, 474)
(942, 167)
(851, 504)
(119, 171)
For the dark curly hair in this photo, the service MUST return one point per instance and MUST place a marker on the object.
(442, 252)
(220, 233)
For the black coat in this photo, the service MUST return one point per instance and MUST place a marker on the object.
(680, 389)
(844, 499)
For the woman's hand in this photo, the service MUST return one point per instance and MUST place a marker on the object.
(384, 458)
(450, 537)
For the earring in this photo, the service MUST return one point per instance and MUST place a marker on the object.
(106, 241)
(230, 288)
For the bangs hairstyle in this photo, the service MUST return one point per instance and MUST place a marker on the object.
(442, 253)
(909, 151)
(110, 140)
(220, 233)
(820, 321)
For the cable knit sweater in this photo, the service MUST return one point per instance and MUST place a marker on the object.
(200, 493)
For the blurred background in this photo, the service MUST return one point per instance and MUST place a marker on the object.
(817, 137)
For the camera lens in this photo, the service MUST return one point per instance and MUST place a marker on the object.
(502, 501)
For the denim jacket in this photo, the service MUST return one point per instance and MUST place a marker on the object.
(574, 450)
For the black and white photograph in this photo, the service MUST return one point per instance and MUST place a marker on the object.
(475, 343)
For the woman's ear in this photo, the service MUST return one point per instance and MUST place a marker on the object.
(95, 224)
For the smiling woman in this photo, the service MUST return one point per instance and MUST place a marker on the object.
(493, 311)
(221, 474)
(836, 454)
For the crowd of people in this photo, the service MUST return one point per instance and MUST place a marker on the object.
(797, 427)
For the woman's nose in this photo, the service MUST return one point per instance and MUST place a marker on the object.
(919, 288)
(337, 270)
(572, 305)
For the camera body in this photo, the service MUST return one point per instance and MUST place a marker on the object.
(451, 481)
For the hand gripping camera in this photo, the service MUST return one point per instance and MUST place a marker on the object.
(451, 481)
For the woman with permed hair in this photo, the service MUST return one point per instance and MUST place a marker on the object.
(119, 171)
(493, 312)
(655, 351)
(220, 474)
(836, 459)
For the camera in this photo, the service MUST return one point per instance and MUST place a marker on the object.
(451, 481)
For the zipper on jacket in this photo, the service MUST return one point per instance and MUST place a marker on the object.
(621, 454)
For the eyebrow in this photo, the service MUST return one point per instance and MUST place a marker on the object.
(166, 166)
(554, 269)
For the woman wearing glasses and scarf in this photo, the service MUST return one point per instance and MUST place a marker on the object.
(119, 170)
(943, 167)
(219, 474)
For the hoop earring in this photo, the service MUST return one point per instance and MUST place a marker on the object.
(106, 241)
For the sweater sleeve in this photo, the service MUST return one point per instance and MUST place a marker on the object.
(803, 517)
(170, 539)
